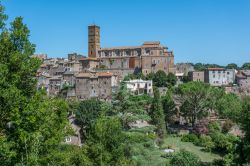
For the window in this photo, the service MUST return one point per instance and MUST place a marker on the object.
(67, 139)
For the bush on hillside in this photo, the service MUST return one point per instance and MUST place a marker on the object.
(190, 138)
(185, 158)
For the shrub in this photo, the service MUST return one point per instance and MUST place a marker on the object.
(214, 127)
(190, 138)
(206, 142)
(223, 142)
(185, 158)
(218, 162)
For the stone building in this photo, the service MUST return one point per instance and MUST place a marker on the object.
(43, 82)
(93, 85)
(99, 74)
(40, 56)
(243, 81)
(196, 76)
(149, 57)
(219, 76)
(55, 85)
(88, 63)
(184, 68)
(69, 78)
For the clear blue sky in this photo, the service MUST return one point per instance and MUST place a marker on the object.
(208, 31)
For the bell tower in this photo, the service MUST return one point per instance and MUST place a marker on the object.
(93, 40)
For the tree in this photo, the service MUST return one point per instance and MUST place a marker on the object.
(160, 79)
(171, 80)
(194, 96)
(244, 120)
(229, 106)
(202, 67)
(107, 143)
(168, 105)
(199, 67)
(232, 66)
(157, 114)
(150, 76)
(185, 158)
(87, 113)
(30, 123)
(67, 155)
(246, 66)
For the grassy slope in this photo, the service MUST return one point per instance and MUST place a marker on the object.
(177, 144)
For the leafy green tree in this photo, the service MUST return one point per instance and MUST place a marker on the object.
(199, 67)
(150, 76)
(157, 114)
(194, 96)
(229, 106)
(107, 143)
(244, 121)
(185, 158)
(202, 67)
(171, 79)
(232, 66)
(169, 108)
(87, 113)
(138, 75)
(120, 100)
(246, 66)
(160, 79)
(65, 155)
(30, 123)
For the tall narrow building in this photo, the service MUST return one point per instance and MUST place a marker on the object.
(93, 40)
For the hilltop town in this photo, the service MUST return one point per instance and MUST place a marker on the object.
(99, 74)
(128, 105)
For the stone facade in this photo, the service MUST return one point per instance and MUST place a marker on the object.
(243, 81)
(55, 85)
(99, 74)
(93, 85)
(196, 76)
(93, 40)
(149, 57)
(184, 68)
